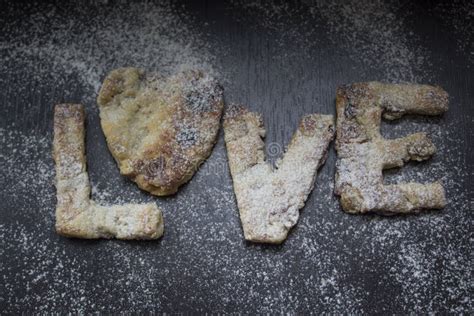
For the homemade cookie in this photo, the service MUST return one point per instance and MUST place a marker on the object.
(363, 153)
(159, 130)
(77, 215)
(269, 198)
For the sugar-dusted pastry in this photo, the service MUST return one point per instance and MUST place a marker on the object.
(269, 198)
(76, 214)
(160, 129)
(363, 153)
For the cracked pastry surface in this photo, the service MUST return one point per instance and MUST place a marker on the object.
(363, 153)
(76, 214)
(160, 129)
(269, 198)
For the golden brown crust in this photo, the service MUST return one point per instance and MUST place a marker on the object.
(269, 199)
(363, 153)
(77, 215)
(159, 129)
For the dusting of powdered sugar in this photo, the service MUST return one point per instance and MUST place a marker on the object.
(372, 33)
(25, 167)
(187, 136)
(202, 93)
(331, 263)
(458, 15)
(141, 35)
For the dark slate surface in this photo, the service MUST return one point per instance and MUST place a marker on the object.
(284, 61)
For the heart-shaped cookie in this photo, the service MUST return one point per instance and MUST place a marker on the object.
(160, 129)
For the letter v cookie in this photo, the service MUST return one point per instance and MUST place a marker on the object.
(269, 198)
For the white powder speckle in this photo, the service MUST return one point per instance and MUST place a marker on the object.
(331, 263)
(459, 16)
(373, 33)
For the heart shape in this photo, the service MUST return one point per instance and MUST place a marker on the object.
(160, 129)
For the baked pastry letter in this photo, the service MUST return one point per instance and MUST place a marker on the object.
(76, 214)
(269, 198)
(363, 153)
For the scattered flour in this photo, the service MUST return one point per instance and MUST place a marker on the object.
(459, 16)
(331, 262)
(373, 33)
(147, 35)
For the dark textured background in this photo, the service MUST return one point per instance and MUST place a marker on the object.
(283, 65)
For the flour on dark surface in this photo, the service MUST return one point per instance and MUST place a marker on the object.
(372, 33)
(332, 262)
(458, 15)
